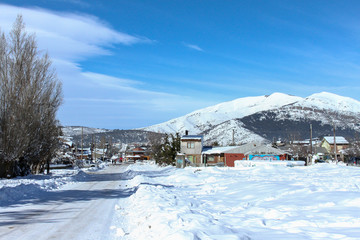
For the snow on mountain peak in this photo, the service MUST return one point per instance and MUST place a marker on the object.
(219, 121)
(331, 101)
(202, 119)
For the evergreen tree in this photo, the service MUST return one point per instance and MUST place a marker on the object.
(164, 150)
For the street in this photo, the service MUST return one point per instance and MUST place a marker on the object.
(83, 210)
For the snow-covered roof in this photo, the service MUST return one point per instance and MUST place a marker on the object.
(249, 148)
(138, 149)
(218, 150)
(69, 143)
(100, 151)
(338, 139)
(132, 156)
(265, 150)
(245, 148)
(192, 137)
(84, 149)
(306, 142)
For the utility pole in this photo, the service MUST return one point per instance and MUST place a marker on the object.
(335, 148)
(103, 149)
(95, 150)
(82, 145)
(92, 147)
(311, 150)
(233, 137)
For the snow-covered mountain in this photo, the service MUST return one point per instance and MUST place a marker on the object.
(77, 130)
(203, 119)
(266, 117)
(97, 135)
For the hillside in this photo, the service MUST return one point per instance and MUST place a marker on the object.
(266, 117)
(77, 130)
(204, 119)
(95, 135)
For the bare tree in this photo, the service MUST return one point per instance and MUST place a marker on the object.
(30, 94)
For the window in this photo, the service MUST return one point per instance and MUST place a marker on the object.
(210, 158)
(190, 145)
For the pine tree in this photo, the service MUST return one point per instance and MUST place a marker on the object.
(164, 150)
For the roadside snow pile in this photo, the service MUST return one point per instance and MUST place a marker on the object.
(98, 167)
(12, 191)
(254, 163)
(262, 202)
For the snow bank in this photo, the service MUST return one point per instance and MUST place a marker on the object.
(262, 202)
(254, 163)
(12, 191)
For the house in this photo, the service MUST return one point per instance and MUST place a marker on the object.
(67, 142)
(221, 156)
(82, 153)
(330, 142)
(136, 154)
(99, 153)
(306, 142)
(249, 151)
(192, 149)
(192, 146)
(264, 152)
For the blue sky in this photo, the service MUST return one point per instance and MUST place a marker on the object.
(131, 64)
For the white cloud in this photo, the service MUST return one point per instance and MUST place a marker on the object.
(127, 87)
(194, 47)
(66, 35)
(90, 98)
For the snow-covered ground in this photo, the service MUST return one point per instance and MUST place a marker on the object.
(13, 191)
(144, 201)
(70, 204)
(263, 202)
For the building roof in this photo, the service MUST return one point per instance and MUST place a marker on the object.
(132, 156)
(306, 142)
(192, 137)
(338, 139)
(137, 150)
(218, 150)
(263, 149)
(249, 148)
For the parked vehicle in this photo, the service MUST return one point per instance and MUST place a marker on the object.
(354, 161)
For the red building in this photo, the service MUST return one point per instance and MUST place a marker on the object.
(226, 156)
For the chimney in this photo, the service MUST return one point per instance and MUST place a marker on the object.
(186, 132)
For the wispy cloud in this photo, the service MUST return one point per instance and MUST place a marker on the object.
(77, 2)
(91, 97)
(193, 46)
(131, 87)
(67, 35)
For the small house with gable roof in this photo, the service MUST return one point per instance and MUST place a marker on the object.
(330, 142)
(191, 146)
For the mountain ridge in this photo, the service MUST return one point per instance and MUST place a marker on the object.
(247, 117)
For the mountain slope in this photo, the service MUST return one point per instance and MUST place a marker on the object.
(96, 135)
(266, 117)
(204, 119)
(77, 130)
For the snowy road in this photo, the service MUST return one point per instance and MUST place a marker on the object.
(82, 210)
(145, 201)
